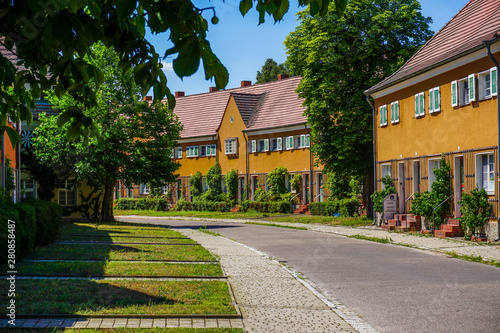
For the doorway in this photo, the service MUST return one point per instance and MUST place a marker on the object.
(458, 183)
(306, 189)
(401, 188)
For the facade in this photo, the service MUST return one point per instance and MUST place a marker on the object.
(444, 100)
(253, 129)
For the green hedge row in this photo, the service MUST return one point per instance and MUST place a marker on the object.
(37, 222)
(202, 206)
(156, 204)
(345, 207)
(267, 207)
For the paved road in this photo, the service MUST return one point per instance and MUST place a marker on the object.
(395, 289)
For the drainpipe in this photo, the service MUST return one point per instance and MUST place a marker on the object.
(374, 157)
(488, 44)
(216, 155)
(2, 166)
(18, 162)
(246, 164)
(310, 165)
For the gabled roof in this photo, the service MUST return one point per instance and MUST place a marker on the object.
(10, 55)
(478, 21)
(262, 106)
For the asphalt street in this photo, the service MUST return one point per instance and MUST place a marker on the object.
(393, 288)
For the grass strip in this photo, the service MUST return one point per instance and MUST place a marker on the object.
(214, 215)
(372, 239)
(130, 241)
(120, 297)
(118, 230)
(144, 330)
(117, 268)
(478, 259)
(123, 252)
(277, 225)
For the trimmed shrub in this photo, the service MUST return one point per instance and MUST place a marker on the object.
(48, 220)
(202, 205)
(26, 228)
(5, 215)
(345, 207)
(282, 206)
(156, 204)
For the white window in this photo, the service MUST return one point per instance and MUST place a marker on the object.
(164, 189)
(487, 84)
(274, 144)
(395, 112)
(280, 144)
(67, 193)
(289, 142)
(485, 172)
(266, 145)
(386, 170)
(434, 100)
(230, 146)
(203, 151)
(253, 146)
(260, 146)
(192, 151)
(308, 140)
(467, 90)
(454, 93)
(420, 104)
(433, 164)
(178, 152)
(28, 189)
(143, 189)
(383, 115)
(210, 150)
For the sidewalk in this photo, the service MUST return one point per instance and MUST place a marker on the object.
(456, 245)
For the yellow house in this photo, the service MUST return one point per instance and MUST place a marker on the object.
(444, 100)
(253, 129)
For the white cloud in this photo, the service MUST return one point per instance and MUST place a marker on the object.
(167, 66)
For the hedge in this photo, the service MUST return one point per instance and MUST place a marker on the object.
(345, 207)
(156, 204)
(202, 205)
(282, 206)
(37, 222)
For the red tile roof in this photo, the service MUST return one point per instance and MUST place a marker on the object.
(478, 21)
(262, 106)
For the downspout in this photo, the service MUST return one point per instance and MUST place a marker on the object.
(246, 164)
(2, 166)
(18, 162)
(216, 155)
(374, 157)
(310, 165)
(488, 44)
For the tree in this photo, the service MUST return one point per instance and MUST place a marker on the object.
(54, 36)
(231, 181)
(271, 70)
(276, 181)
(195, 185)
(214, 182)
(339, 58)
(132, 139)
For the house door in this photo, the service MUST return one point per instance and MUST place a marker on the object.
(458, 183)
(117, 190)
(401, 188)
(319, 185)
(306, 189)
(241, 188)
(416, 176)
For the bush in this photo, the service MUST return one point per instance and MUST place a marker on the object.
(345, 207)
(378, 197)
(231, 181)
(26, 228)
(202, 205)
(48, 220)
(282, 206)
(7, 214)
(157, 204)
(476, 211)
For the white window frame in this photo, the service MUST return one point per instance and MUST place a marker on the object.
(395, 112)
(178, 152)
(383, 115)
(463, 91)
(211, 150)
(280, 143)
(308, 140)
(266, 144)
(25, 189)
(494, 82)
(385, 169)
(164, 189)
(144, 188)
(64, 190)
(431, 176)
(272, 143)
(472, 87)
(253, 146)
(434, 100)
(289, 140)
(484, 85)
(480, 174)
(420, 104)
(454, 93)
(230, 146)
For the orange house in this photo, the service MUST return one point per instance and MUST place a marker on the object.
(444, 100)
(253, 129)
(9, 163)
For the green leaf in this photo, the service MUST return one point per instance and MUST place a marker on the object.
(125, 8)
(188, 60)
(74, 130)
(245, 6)
(65, 116)
(14, 137)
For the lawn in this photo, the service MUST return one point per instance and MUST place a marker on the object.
(117, 268)
(123, 252)
(125, 239)
(120, 297)
(122, 229)
(295, 218)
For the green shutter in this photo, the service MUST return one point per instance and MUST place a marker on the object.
(422, 104)
(494, 81)
(308, 140)
(436, 99)
(381, 115)
(280, 144)
(417, 105)
(454, 93)
(266, 145)
(431, 101)
(472, 88)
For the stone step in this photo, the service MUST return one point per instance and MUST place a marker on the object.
(454, 222)
(387, 227)
(444, 234)
(452, 228)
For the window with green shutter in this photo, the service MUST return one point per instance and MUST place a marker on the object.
(308, 140)
(383, 115)
(395, 112)
(434, 100)
(253, 146)
(266, 145)
(472, 87)
(280, 144)
(494, 81)
(419, 104)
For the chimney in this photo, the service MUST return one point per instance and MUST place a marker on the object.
(283, 76)
(246, 83)
(147, 98)
(213, 89)
(179, 94)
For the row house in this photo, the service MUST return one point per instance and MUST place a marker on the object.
(253, 129)
(444, 100)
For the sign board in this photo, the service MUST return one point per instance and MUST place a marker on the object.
(390, 206)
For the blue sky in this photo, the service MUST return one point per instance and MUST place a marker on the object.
(243, 46)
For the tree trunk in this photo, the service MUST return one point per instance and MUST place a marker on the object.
(368, 190)
(107, 202)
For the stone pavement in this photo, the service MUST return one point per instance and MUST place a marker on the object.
(456, 245)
